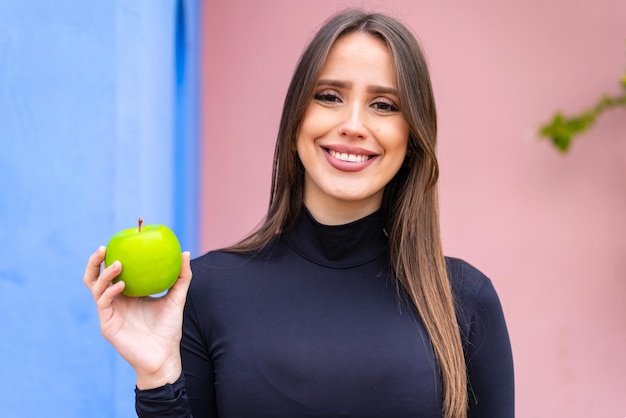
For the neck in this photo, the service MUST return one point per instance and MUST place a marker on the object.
(338, 246)
(339, 214)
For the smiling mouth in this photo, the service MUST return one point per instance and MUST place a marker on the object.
(350, 158)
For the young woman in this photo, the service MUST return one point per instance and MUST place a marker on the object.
(341, 303)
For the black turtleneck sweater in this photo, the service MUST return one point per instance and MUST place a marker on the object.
(315, 326)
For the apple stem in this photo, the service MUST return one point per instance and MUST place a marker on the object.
(140, 222)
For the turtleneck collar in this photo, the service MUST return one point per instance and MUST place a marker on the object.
(338, 246)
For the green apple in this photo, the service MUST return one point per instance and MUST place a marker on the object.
(150, 256)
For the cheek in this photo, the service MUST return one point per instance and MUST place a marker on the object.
(305, 138)
(306, 127)
(398, 139)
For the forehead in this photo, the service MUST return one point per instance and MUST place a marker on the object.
(359, 53)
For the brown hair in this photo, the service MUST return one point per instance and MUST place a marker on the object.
(410, 206)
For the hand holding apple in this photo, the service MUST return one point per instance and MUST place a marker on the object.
(146, 332)
(150, 257)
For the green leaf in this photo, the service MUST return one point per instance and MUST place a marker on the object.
(562, 129)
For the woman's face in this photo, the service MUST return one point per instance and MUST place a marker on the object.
(353, 138)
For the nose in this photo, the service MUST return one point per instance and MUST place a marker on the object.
(353, 124)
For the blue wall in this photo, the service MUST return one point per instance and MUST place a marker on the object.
(97, 127)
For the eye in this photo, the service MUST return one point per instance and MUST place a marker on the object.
(385, 105)
(327, 96)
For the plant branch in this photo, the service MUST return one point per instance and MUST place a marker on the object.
(562, 129)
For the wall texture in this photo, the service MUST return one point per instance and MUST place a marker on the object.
(97, 127)
(91, 113)
(549, 229)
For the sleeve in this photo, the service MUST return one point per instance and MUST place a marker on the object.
(197, 361)
(194, 391)
(489, 358)
(165, 401)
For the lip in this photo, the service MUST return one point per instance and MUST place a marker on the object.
(348, 166)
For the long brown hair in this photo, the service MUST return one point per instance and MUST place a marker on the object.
(410, 206)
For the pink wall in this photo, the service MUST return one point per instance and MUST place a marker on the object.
(549, 229)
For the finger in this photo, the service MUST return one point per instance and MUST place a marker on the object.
(179, 291)
(106, 298)
(92, 271)
(105, 306)
(105, 279)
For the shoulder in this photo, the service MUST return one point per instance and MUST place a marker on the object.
(219, 269)
(217, 280)
(485, 338)
(217, 259)
(465, 279)
(217, 265)
(475, 296)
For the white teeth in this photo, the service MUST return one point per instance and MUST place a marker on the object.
(353, 158)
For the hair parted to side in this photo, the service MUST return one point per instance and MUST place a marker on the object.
(410, 206)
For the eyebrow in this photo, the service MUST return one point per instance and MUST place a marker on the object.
(346, 85)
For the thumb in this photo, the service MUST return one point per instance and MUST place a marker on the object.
(179, 291)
